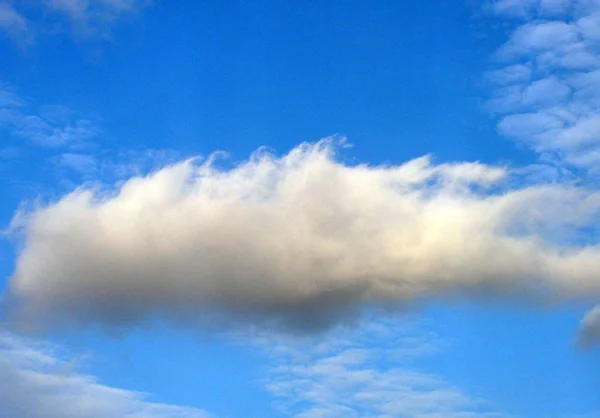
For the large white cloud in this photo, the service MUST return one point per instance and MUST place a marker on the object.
(301, 241)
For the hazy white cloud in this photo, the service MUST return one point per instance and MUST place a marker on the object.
(547, 78)
(543, 93)
(301, 241)
(511, 74)
(94, 16)
(25, 20)
(71, 146)
(530, 8)
(9, 98)
(12, 23)
(35, 381)
(48, 126)
(82, 163)
(343, 374)
(538, 37)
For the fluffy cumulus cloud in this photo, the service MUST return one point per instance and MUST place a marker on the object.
(300, 241)
(548, 78)
(36, 381)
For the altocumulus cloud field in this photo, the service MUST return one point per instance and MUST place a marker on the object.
(301, 241)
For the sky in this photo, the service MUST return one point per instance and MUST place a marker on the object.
(299, 209)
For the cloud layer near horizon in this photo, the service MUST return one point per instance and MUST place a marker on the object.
(35, 381)
(302, 241)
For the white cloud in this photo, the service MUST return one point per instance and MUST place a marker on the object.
(12, 22)
(530, 8)
(364, 373)
(548, 91)
(23, 21)
(92, 13)
(301, 241)
(536, 37)
(543, 93)
(49, 126)
(547, 80)
(511, 74)
(73, 147)
(36, 381)
(589, 25)
(81, 163)
(9, 98)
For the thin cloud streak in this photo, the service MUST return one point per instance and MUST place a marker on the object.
(48, 126)
(12, 22)
(85, 19)
(35, 380)
(94, 17)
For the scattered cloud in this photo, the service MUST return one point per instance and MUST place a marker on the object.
(82, 163)
(48, 126)
(106, 167)
(12, 23)
(71, 148)
(530, 8)
(547, 78)
(24, 20)
(368, 372)
(9, 99)
(37, 380)
(300, 241)
(94, 17)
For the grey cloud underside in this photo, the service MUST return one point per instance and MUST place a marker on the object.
(589, 334)
(301, 241)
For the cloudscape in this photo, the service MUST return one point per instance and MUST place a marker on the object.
(230, 209)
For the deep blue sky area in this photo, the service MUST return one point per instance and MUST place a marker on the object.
(237, 75)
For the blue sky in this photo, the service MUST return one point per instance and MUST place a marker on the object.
(335, 209)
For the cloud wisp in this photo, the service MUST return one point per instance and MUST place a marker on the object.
(548, 79)
(36, 381)
(12, 23)
(344, 375)
(94, 17)
(301, 241)
(73, 147)
(23, 21)
(48, 126)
